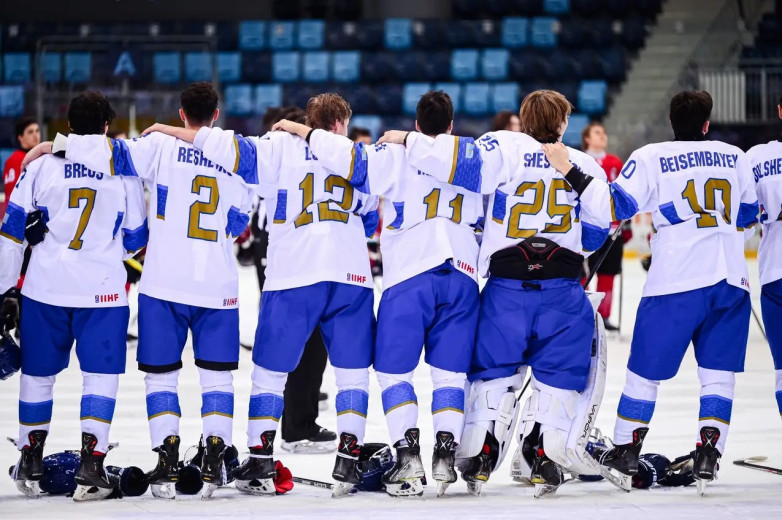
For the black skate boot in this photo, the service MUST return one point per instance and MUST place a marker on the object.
(29, 470)
(162, 479)
(706, 458)
(92, 483)
(346, 472)
(406, 477)
(476, 470)
(443, 460)
(620, 463)
(547, 475)
(256, 474)
(212, 469)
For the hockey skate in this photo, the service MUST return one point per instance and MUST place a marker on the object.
(547, 475)
(212, 468)
(404, 479)
(92, 483)
(28, 471)
(618, 464)
(346, 472)
(323, 441)
(443, 460)
(476, 470)
(162, 479)
(706, 458)
(255, 475)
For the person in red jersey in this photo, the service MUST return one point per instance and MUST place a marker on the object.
(28, 134)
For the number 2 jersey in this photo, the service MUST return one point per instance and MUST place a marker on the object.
(93, 218)
(197, 210)
(766, 162)
(702, 198)
(527, 196)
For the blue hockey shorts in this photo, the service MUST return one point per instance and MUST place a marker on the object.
(771, 307)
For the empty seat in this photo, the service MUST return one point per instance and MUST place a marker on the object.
(569, 89)
(16, 67)
(476, 98)
(464, 64)
(542, 32)
(494, 64)
(612, 64)
(463, 33)
(389, 99)
(586, 7)
(315, 66)
(51, 67)
(592, 97)
(229, 67)
(505, 96)
(168, 68)
(78, 67)
(310, 34)
(345, 66)
(267, 96)
(398, 33)
(256, 67)
(227, 36)
(11, 100)
(298, 94)
(409, 66)
(281, 35)
(429, 34)
(488, 33)
(371, 123)
(362, 100)
(524, 65)
(455, 91)
(514, 32)
(341, 35)
(437, 66)
(576, 124)
(411, 93)
(556, 6)
(238, 100)
(378, 66)
(252, 35)
(198, 66)
(285, 66)
(369, 34)
(574, 32)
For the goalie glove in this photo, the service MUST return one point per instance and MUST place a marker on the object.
(10, 312)
(283, 480)
(680, 474)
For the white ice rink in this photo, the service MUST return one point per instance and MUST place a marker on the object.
(739, 493)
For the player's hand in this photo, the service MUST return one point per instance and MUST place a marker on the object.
(558, 156)
(36, 152)
(35, 229)
(394, 137)
(10, 310)
(292, 128)
(159, 127)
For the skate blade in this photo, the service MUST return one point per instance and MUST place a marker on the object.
(166, 491)
(30, 488)
(620, 480)
(474, 488)
(542, 490)
(524, 481)
(407, 488)
(208, 489)
(310, 448)
(258, 487)
(341, 489)
(701, 485)
(442, 485)
(90, 493)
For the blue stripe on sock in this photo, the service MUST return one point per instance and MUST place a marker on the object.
(33, 414)
(715, 408)
(779, 401)
(398, 395)
(266, 406)
(635, 410)
(97, 408)
(161, 403)
(448, 399)
(217, 403)
(352, 401)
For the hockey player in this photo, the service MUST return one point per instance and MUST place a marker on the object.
(190, 279)
(317, 274)
(430, 290)
(766, 162)
(533, 311)
(702, 197)
(74, 290)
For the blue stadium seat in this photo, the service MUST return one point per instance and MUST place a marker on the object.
(341, 35)
(429, 34)
(569, 89)
(5, 153)
(601, 32)
(362, 99)
(281, 35)
(310, 34)
(514, 32)
(371, 123)
(592, 97)
(227, 36)
(409, 66)
(575, 33)
(256, 67)
(505, 96)
(369, 34)
(229, 67)
(389, 99)
(315, 66)
(78, 67)
(586, 7)
(398, 33)
(267, 96)
(298, 94)
(411, 93)
(476, 98)
(345, 66)
(378, 66)
(524, 65)
(494, 64)
(437, 66)
(488, 34)
(556, 6)
(11, 101)
(238, 100)
(455, 91)
(16, 67)
(198, 66)
(252, 35)
(542, 32)
(51, 67)
(285, 66)
(463, 33)
(576, 124)
(168, 67)
(464, 64)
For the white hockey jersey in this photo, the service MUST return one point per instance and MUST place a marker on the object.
(93, 218)
(766, 162)
(702, 198)
(199, 209)
(316, 232)
(527, 196)
(426, 221)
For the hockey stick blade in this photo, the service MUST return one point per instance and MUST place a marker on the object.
(749, 463)
(313, 483)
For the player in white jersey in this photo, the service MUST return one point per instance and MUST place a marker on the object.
(190, 279)
(533, 310)
(74, 290)
(317, 274)
(702, 198)
(430, 290)
(766, 162)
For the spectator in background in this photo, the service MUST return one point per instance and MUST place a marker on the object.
(360, 135)
(594, 142)
(506, 120)
(27, 134)
(117, 134)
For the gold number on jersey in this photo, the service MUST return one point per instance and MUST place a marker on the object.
(558, 210)
(198, 208)
(346, 202)
(432, 202)
(307, 194)
(75, 196)
(554, 209)
(706, 219)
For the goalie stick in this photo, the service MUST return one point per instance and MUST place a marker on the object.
(750, 463)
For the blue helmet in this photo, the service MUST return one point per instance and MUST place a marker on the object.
(10, 356)
(59, 471)
(374, 460)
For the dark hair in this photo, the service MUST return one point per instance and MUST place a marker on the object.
(542, 114)
(434, 112)
(357, 132)
(89, 113)
(588, 130)
(271, 116)
(324, 110)
(199, 102)
(22, 124)
(114, 133)
(293, 113)
(501, 120)
(689, 112)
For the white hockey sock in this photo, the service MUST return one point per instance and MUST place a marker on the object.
(99, 395)
(36, 396)
(448, 402)
(400, 404)
(716, 402)
(779, 391)
(217, 404)
(163, 410)
(352, 401)
(265, 403)
(636, 407)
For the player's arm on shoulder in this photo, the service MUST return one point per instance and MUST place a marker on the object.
(20, 205)
(135, 231)
(239, 212)
(340, 155)
(244, 156)
(127, 157)
(749, 209)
